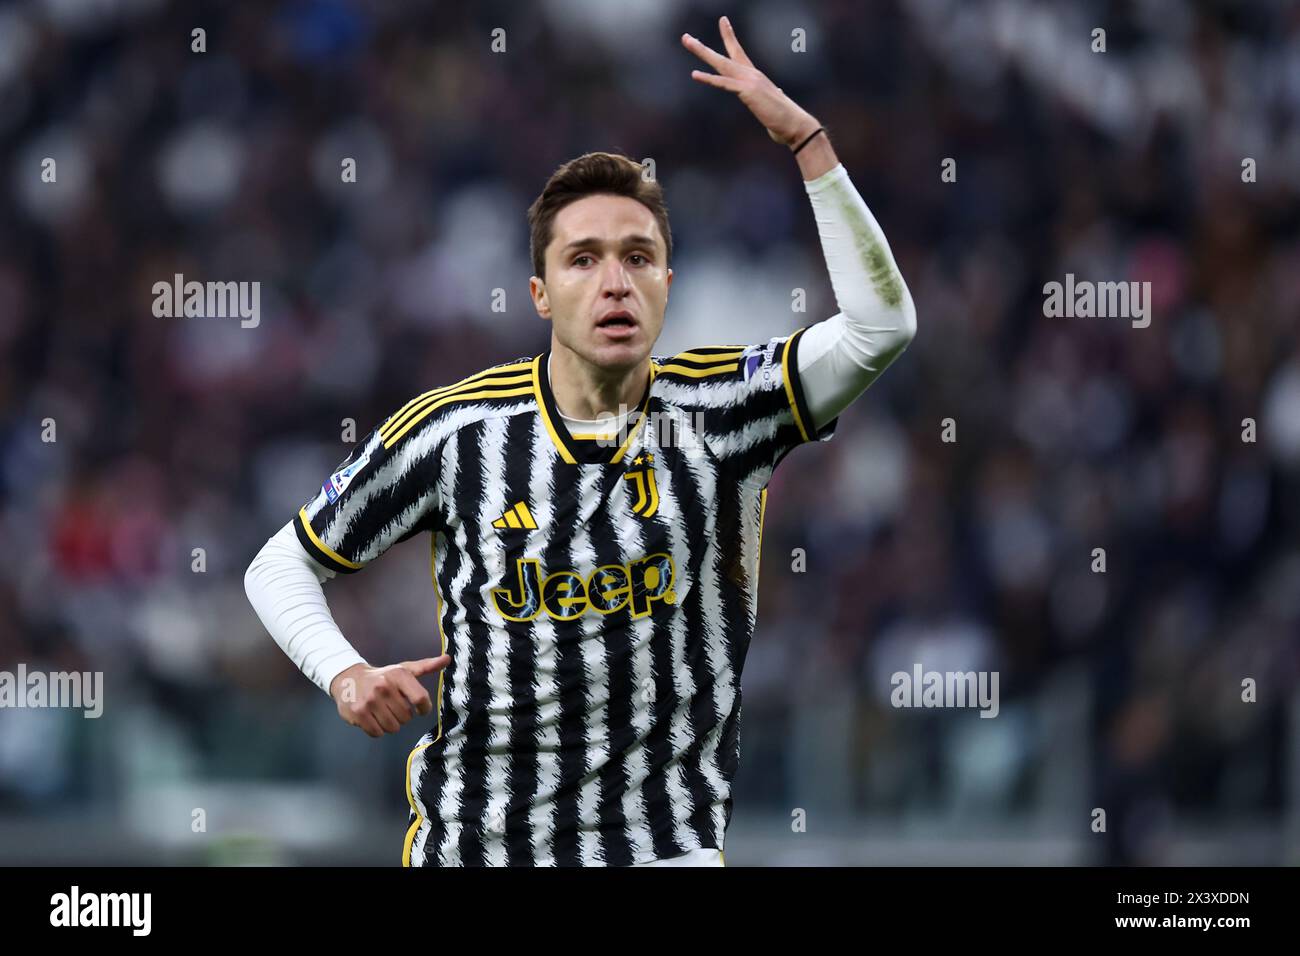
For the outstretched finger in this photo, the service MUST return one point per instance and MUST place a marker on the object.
(721, 82)
(734, 49)
(426, 665)
(705, 53)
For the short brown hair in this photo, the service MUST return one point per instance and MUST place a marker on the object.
(588, 175)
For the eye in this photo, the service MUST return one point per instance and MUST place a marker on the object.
(637, 255)
(583, 256)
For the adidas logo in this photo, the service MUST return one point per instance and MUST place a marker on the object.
(517, 517)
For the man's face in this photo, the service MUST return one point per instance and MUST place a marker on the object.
(607, 281)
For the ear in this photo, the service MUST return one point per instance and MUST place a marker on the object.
(537, 289)
(670, 280)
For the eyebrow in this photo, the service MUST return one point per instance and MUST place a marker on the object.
(589, 242)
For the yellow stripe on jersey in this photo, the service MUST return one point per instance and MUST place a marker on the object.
(692, 372)
(325, 548)
(410, 796)
(414, 408)
(722, 354)
(640, 420)
(546, 417)
(478, 379)
(789, 385)
(462, 396)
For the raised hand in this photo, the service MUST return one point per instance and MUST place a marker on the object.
(785, 121)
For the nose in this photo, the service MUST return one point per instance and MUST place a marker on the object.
(614, 279)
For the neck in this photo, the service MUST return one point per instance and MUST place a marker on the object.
(586, 391)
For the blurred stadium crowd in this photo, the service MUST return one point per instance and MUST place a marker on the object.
(1120, 690)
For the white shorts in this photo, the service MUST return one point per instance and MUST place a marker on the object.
(702, 857)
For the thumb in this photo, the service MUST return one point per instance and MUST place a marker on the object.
(426, 665)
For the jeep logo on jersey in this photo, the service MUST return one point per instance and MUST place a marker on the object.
(567, 595)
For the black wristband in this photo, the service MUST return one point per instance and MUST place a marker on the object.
(819, 129)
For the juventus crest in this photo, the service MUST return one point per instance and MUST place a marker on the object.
(646, 494)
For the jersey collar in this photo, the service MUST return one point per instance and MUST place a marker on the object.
(572, 450)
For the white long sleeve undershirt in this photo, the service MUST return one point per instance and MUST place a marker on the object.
(284, 586)
(839, 358)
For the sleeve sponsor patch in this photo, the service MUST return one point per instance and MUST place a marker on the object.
(338, 482)
(756, 355)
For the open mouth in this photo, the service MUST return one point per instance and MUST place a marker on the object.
(617, 320)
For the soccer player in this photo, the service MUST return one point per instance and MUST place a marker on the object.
(595, 573)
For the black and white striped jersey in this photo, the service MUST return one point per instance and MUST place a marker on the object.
(597, 598)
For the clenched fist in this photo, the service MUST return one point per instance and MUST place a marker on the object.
(380, 699)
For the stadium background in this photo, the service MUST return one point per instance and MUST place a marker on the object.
(1119, 690)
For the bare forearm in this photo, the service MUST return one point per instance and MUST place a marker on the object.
(818, 157)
